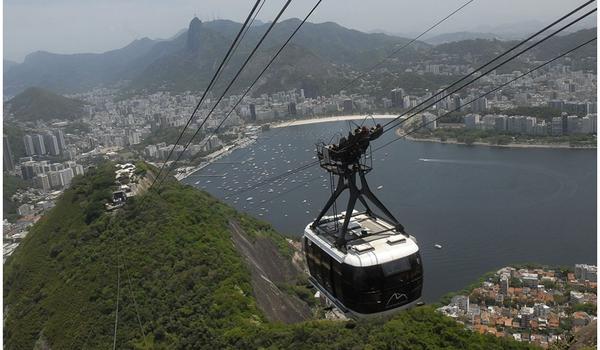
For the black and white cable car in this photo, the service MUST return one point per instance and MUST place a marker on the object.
(364, 263)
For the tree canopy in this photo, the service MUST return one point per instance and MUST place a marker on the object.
(168, 259)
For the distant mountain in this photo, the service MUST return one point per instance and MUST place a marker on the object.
(336, 43)
(296, 67)
(188, 60)
(37, 103)
(67, 73)
(320, 58)
(474, 47)
(7, 65)
(481, 50)
(184, 63)
(318, 51)
(522, 29)
(459, 36)
(563, 43)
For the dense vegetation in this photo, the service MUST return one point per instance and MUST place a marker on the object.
(15, 139)
(168, 136)
(77, 127)
(40, 104)
(10, 185)
(320, 59)
(169, 261)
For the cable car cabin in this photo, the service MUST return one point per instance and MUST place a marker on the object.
(378, 273)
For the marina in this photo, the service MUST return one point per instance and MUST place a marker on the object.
(473, 202)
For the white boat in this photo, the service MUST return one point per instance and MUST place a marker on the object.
(438, 246)
(379, 187)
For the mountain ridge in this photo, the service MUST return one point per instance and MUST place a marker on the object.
(66, 73)
(138, 63)
(460, 36)
(186, 61)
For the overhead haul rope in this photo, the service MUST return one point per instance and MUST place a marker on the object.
(233, 80)
(502, 55)
(215, 76)
(393, 53)
(229, 53)
(488, 92)
(454, 110)
(255, 80)
(313, 163)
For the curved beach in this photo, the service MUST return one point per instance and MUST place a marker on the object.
(330, 119)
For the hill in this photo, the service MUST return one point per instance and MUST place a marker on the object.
(168, 261)
(187, 60)
(10, 185)
(7, 65)
(460, 36)
(320, 59)
(37, 103)
(563, 43)
(312, 60)
(493, 46)
(477, 51)
(67, 73)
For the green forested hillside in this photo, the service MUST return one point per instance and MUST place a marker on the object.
(10, 186)
(36, 103)
(169, 262)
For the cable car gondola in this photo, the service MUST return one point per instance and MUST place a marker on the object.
(365, 263)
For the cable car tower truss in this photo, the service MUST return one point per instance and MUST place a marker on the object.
(346, 160)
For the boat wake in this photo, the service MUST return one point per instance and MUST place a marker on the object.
(457, 161)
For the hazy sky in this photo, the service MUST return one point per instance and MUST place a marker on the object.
(68, 26)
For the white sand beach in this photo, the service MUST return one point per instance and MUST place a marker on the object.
(330, 119)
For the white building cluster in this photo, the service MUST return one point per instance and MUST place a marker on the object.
(47, 176)
(516, 124)
(47, 143)
(161, 150)
(585, 272)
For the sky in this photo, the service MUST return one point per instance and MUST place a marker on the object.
(75, 26)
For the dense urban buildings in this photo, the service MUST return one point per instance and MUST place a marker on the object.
(110, 123)
(9, 163)
(518, 124)
(538, 305)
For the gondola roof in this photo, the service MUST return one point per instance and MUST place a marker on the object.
(369, 241)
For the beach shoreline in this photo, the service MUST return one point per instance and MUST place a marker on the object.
(510, 145)
(330, 119)
(187, 171)
(184, 172)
